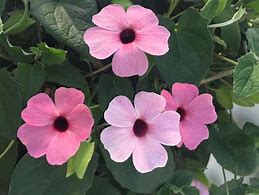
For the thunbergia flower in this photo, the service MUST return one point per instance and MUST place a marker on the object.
(140, 131)
(129, 35)
(200, 186)
(55, 129)
(195, 110)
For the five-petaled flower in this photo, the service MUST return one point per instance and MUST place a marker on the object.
(203, 190)
(128, 35)
(140, 130)
(55, 129)
(195, 110)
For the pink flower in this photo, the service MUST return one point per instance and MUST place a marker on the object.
(55, 129)
(140, 131)
(195, 110)
(128, 35)
(201, 187)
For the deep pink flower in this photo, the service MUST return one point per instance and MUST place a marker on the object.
(195, 110)
(55, 129)
(140, 131)
(200, 186)
(128, 35)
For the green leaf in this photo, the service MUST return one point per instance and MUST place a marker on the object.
(10, 105)
(79, 162)
(17, 54)
(7, 163)
(68, 75)
(252, 131)
(123, 3)
(66, 20)
(30, 77)
(252, 36)
(224, 97)
(246, 76)
(235, 187)
(14, 18)
(230, 34)
(182, 178)
(49, 55)
(112, 86)
(102, 187)
(126, 174)
(213, 8)
(190, 54)
(233, 149)
(237, 16)
(1, 26)
(2, 6)
(36, 176)
(190, 190)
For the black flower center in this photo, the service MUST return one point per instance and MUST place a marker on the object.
(182, 113)
(127, 36)
(61, 124)
(140, 128)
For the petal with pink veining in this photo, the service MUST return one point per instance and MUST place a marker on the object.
(36, 139)
(170, 103)
(202, 110)
(193, 133)
(165, 128)
(139, 17)
(102, 43)
(111, 17)
(66, 99)
(120, 142)
(40, 110)
(153, 40)
(149, 104)
(148, 155)
(184, 93)
(201, 187)
(62, 147)
(129, 61)
(81, 121)
(120, 112)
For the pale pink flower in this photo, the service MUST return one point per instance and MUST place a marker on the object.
(55, 129)
(200, 186)
(195, 110)
(129, 35)
(140, 131)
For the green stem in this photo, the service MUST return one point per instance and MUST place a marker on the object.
(226, 59)
(95, 106)
(99, 70)
(218, 76)
(225, 180)
(172, 6)
(4, 57)
(7, 149)
(23, 18)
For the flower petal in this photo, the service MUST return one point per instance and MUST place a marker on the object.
(129, 61)
(153, 40)
(193, 133)
(201, 109)
(139, 17)
(201, 187)
(165, 128)
(148, 105)
(184, 93)
(36, 139)
(111, 17)
(120, 112)
(62, 147)
(66, 99)
(81, 121)
(148, 155)
(102, 43)
(170, 103)
(120, 142)
(40, 110)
